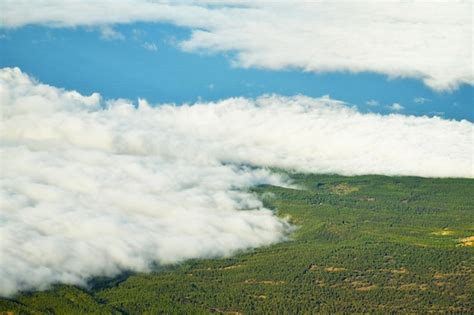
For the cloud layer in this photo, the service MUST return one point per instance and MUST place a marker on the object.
(92, 187)
(428, 40)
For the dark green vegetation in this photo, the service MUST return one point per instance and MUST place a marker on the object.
(367, 243)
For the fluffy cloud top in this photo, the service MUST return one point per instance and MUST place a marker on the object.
(429, 40)
(92, 187)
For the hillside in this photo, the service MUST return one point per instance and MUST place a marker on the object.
(362, 244)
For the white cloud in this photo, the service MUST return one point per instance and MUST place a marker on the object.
(92, 187)
(428, 40)
(108, 33)
(372, 103)
(150, 46)
(437, 113)
(138, 33)
(421, 100)
(396, 107)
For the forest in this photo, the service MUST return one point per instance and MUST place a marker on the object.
(360, 244)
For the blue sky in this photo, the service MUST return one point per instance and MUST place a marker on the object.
(129, 66)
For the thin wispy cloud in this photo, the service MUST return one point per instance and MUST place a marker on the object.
(138, 33)
(150, 46)
(372, 103)
(437, 113)
(421, 100)
(108, 33)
